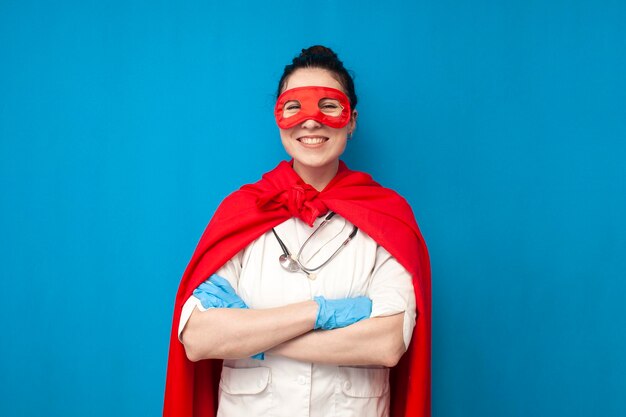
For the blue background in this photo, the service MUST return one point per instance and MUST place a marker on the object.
(124, 123)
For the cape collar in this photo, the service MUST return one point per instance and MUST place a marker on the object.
(286, 189)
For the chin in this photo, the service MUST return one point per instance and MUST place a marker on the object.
(315, 162)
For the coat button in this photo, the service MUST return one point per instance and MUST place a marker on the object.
(347, 385)
(301, 380)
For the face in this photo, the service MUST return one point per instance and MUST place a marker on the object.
(310, 143)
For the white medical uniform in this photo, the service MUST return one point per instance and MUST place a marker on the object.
(279, 386)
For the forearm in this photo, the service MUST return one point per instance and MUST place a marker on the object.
(232, 333)
(375, 341)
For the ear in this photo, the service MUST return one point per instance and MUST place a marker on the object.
(352, 123)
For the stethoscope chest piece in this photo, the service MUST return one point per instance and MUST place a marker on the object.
(288, 263)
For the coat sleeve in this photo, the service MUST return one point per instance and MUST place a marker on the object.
(231, 271)
(391, 291)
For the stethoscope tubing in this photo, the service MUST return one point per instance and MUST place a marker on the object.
(296, 259)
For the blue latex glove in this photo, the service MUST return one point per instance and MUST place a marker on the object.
(343, 312)
(216, 292)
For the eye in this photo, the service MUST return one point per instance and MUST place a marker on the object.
(330, 107)
(291, 105)
(290, 108)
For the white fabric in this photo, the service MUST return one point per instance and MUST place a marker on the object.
(280, 386)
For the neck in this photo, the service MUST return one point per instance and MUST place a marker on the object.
(317, 177)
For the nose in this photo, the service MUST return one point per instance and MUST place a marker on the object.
(310, 124)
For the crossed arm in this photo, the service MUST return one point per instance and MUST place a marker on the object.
(231, 333)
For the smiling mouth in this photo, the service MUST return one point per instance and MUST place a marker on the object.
(312, 140)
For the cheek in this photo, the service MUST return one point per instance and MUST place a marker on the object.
(341, 136)
(285, 136)
(286, 141)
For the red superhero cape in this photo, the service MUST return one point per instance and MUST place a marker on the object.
(191, 387)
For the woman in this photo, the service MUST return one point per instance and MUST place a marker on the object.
(307, 282)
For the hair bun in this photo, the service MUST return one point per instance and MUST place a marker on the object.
(318, 50)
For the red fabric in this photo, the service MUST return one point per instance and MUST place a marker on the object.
(309, 99)
(191, 387)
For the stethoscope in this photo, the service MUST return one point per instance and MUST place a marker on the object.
(292, 263)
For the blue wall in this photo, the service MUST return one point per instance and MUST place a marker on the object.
(123, 124)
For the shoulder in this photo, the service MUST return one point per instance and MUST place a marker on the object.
(245, 198)
(378, 193)
(236, 202)
(366, 179)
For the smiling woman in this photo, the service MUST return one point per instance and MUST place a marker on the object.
(307, 284)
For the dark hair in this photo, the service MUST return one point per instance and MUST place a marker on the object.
(319, 56)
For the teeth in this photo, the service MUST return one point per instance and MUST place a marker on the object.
(312, 141)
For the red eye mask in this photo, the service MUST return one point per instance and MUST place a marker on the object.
(326, 105)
